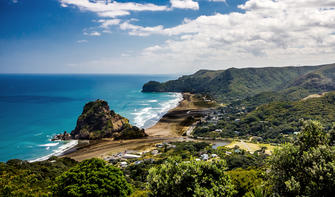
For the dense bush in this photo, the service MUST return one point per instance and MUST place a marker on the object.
(241, 159)
(306, 168)
(21, 178)
(192, 178)
(245, 180)
(92, 177)
(272, 121)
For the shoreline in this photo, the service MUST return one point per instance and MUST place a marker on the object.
(71, 146)
(169, 128)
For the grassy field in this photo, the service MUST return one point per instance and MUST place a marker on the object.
(251, 147)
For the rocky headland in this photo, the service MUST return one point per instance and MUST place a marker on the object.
(97, 121)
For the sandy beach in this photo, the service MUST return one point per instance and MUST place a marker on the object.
(169, 128)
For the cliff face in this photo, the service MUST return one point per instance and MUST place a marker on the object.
(98, 121)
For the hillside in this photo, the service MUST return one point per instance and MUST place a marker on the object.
(315, 82)
(234, 84)
(273, 120)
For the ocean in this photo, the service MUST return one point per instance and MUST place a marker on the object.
(35, 107)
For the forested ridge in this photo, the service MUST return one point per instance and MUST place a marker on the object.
(235, 84)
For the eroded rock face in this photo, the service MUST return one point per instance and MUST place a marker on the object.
(98, 121)
(64, 136)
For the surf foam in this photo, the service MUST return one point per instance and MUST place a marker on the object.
(49, 144)
(149, 116)
(59, 151)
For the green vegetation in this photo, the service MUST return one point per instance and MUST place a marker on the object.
(273, 121)
(263, 102)
(189, 154)
(245, 180)
(21, 178)
(307, 167)
(92, 177)
(192, 178)
(235, 84)
(263, 105)
(131, 133)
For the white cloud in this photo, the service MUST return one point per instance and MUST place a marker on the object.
(108, 23)
(221, 1)
(136, 30)
(282, 32)
(112, 9)
(63, 5)
(125, 54)
(266, 33)
(82, 41)
(218, 1)
(184, 4)
(93, 33)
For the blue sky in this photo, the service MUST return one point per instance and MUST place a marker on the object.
(162, 36)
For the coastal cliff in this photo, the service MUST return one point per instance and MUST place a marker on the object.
(98, 121)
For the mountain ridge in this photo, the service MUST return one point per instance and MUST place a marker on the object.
(234, 84)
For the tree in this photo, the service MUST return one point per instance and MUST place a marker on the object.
(245, 180)
(257, 192)
(21, 178)
(92, 177)
(189, 178)
(307, 167)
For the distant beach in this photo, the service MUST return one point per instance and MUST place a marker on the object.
(167, 129)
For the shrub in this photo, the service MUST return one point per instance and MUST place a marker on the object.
(92, 177)
(192, 178)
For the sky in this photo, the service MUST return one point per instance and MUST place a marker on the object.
(163, 36)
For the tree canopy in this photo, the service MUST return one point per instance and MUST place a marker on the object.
(92, 177)
(190, 178)
(307, 167)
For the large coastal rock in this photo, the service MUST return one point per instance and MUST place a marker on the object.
(98, 121)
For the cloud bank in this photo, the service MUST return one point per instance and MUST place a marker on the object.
(184, 4)
(264, 32)
(267, 32)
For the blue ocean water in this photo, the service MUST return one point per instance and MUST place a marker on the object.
(33, 108)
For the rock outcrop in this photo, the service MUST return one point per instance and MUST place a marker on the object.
(64, 136)
(98, 121)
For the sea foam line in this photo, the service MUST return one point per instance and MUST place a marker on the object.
(153, 115)
(59, 151)
(49, 144)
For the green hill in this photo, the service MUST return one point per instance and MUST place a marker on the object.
(290, 83)
(273, 120)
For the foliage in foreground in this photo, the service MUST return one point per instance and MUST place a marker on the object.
(92, 177)
(245, 180)
(192, 178)
(306, 168)
(21, 178)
